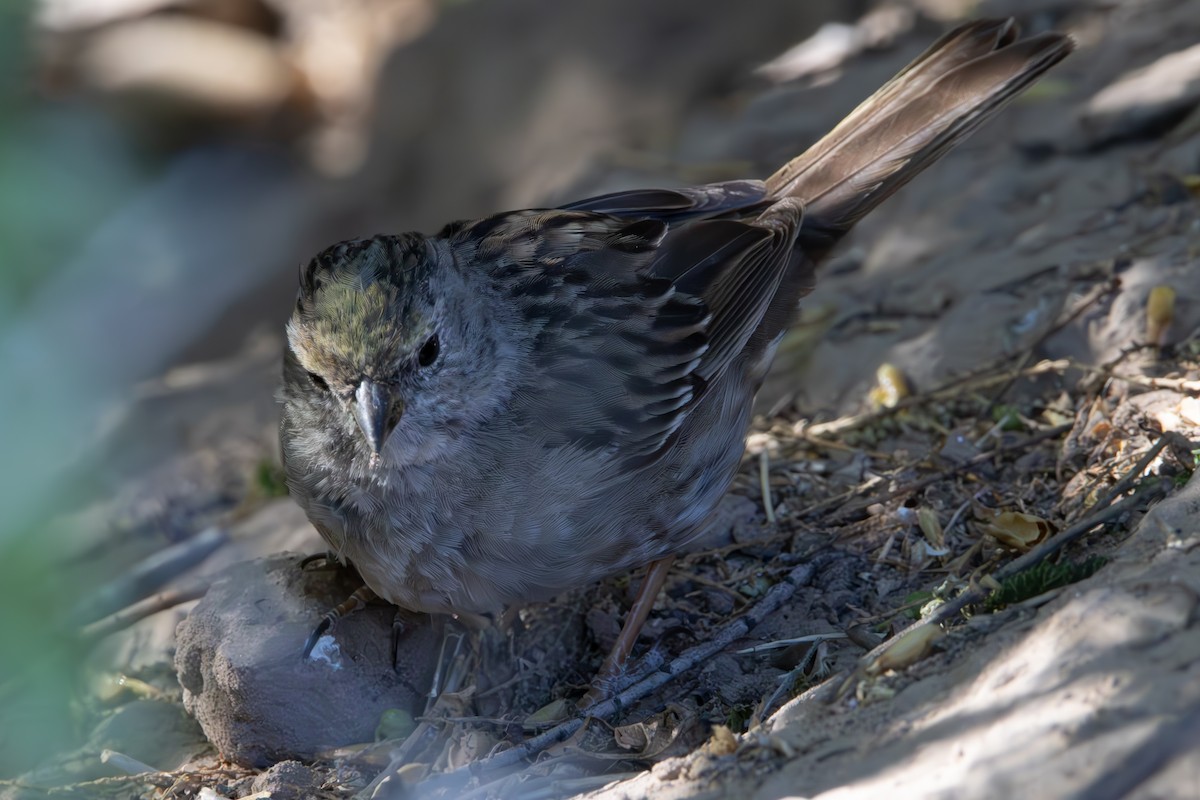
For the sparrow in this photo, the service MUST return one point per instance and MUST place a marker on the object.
(537, 400)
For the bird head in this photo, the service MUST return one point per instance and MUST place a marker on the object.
(387, 338)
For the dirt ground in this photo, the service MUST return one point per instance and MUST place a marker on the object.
(984, 378)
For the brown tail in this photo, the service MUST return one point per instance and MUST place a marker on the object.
(931, 105)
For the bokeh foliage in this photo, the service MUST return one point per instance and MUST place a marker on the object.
(63, 168)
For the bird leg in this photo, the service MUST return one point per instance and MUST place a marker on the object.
(399, 628)
(656, 576)
(358, 599)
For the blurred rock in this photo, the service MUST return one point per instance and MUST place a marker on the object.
(835, 43)
(824, 50)
(188, 449)
(274, 527)
(301, 72)
(240, 665)
(466, 124)
(60, 16)
(1146, 102)
(72, 15)
(153, 279)
(195, 431)
(167, 73)
(263, 16)
(155, 732)
(340, 47)
(146, 649)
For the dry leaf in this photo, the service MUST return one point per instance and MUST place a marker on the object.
(868, 692)
(1160, 311)
(1019, 531)
(931, 528)
(636, 736)
(468, 747)
(652, 737)
(550, 714)
(908, 648)
(891, 387)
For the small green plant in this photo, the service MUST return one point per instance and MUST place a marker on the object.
(915, 601)
(737, 718)
(1008, 418)
(269, 480)
(1041, 579)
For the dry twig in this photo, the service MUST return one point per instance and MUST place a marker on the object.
(127, 616)
(388, 784)
(912, 486)
(1156, 490)
(149, 574)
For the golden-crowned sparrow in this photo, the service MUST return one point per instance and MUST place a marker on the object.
(536, 400)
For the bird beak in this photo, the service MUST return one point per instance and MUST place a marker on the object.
(377, 413)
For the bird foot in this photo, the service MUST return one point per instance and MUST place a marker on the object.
(358, 599)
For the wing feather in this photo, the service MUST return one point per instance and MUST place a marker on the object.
(632, 315)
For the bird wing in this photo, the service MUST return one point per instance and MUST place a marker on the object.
(681, 204)
(634, 309)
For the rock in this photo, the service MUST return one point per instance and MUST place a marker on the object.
(287, 780)
(835, 43)
(481, 125)
(239, 662)
(146, 649)
(172, 69)
(142, 735)
(1145, 102)
(61, 16)
(736, 519)
(726, 677)
(67, 15)
(154, 732)
(832, 45)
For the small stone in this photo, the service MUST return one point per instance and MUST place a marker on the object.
(287, 780)
(244, 678)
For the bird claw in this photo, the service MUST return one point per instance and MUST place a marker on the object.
(357, 599)
(328, 557)
(325, 624)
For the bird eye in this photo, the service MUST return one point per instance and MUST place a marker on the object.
(318, 381)
(429, 351)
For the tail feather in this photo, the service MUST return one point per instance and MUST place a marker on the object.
(930, 106)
